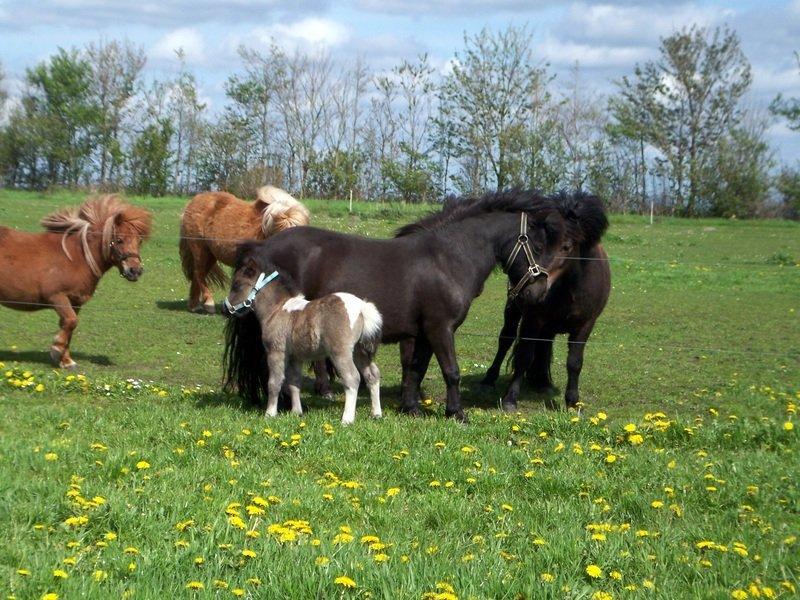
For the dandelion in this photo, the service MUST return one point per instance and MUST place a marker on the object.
(51, 456)
(238, 592)
(600, 595)
(738, 594)
(322, 561)
(142, 465)
(657, 504)
(635, 439)
(195, 585)
(788, 426)
(49, 596)
(60, 574)
(615, 575)
(611, 458)
(547, 577)
(507, 507)
(630, 428)
(381, 557)
(247, 553)
(23, 572)
(345, 582)
(594, 571)
(393, 491)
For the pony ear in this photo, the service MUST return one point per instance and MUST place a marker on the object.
(260, 205)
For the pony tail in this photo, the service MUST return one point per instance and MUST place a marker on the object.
(187, 259)
(244, 362)
(371, 331)
(282, 210)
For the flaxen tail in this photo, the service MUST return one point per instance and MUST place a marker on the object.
(215, 276)
(282, 211)
(370, 337)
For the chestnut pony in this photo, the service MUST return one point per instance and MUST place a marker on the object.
(60, 268)
(214, 223)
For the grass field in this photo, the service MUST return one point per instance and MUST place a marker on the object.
(136, 477)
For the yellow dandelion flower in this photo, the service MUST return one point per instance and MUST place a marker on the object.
(630, 427)
(594, 571)
(788, 426)
(322, 561)
(611, 458)
(247, 553)
(345, 582)
(238, 592)
(195, 585)
(379, 558)
(99, 575)
(49, 596)
(142, 464)
(51, 456)
(547, 577)
(615, 575)
(657, 504)
(738, 594)
(60, 574)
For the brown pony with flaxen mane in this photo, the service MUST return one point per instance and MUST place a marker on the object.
(215, 223)
(60, 267)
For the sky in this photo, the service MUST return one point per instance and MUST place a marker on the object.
(606, 38)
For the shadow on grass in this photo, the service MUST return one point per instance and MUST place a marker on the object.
(180, 306)
(34, 356)
(473, 395)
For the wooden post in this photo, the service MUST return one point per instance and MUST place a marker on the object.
(351, 200)
(651, 211)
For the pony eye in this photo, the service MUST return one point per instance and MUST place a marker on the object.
(118, 241)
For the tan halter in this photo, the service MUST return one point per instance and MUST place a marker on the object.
(534, 270)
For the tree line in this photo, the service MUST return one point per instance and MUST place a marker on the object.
(676, 133)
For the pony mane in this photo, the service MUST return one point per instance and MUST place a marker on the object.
(456, 209)
(584, 213)
(100, 214)
(282, 211)
(250, 250)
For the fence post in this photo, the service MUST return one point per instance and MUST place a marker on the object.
(351, 200)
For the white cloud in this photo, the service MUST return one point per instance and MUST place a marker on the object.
(616, 25)
(312, 31)
(186, 39)
(560, 53)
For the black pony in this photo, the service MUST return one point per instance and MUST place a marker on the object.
(422, 283)
(575, 299)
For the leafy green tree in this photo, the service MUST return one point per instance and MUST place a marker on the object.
(151, 159)
(788, 108)
(60, 100)
(737, 181)
(490, 96)
(788, 185)
(684, 103)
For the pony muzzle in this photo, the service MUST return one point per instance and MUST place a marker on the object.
(131, 272)
(236, 310)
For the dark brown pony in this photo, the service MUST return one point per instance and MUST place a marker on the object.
(572, 305)
(422, 283)
(60, 268)
(214, 223)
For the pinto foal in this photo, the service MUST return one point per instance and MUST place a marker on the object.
(294, 330)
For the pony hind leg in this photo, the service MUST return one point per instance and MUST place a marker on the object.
(350, 379)
(204, 263)
(372, 376)
(67, 322)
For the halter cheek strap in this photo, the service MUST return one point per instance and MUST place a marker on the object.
(534, 270)
(244, 306)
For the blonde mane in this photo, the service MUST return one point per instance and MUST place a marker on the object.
(98, 214)
(282, 210)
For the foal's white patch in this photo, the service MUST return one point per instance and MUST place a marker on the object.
(297, 303)
(352, 305)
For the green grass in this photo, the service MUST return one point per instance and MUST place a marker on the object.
(702, 326)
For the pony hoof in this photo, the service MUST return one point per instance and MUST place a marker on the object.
(345, 422)
(510, 407)
(70, 365)
(411, 411)
(377, 416)
(458, 415)
(55, 356)
(210, 309)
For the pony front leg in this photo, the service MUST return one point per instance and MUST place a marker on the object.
(511, 319)
(416, 356)
(277, 368)
(294, 377)
(67, 322)
(443, 344)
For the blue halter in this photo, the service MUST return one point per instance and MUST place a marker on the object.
(247, 303)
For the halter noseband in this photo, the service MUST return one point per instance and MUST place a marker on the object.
(244, 305)
(121, 256)
(534, 270)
